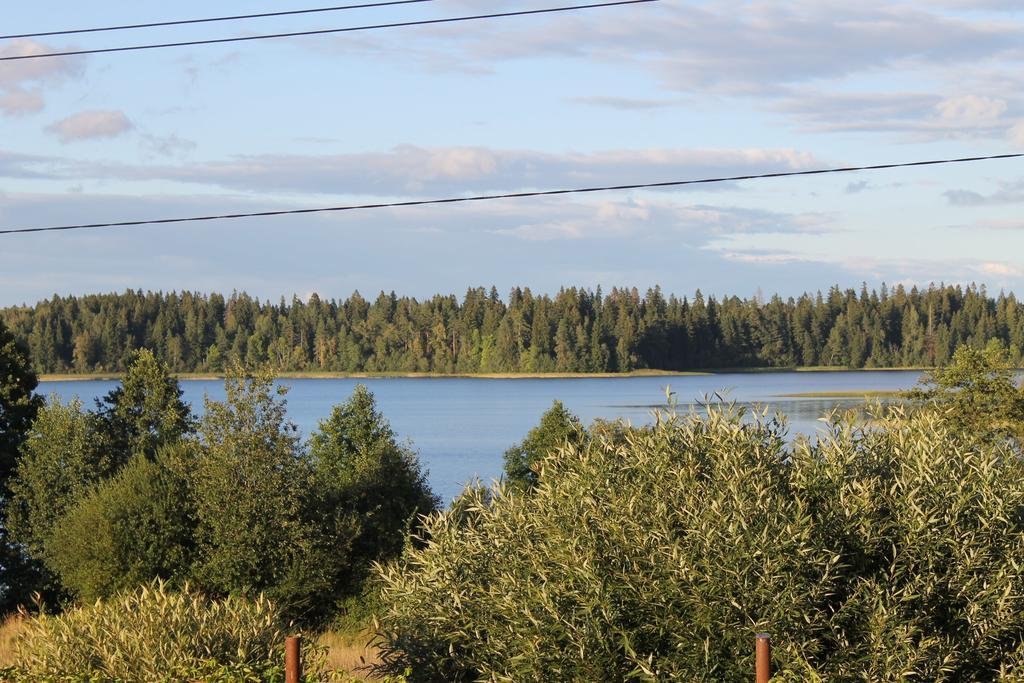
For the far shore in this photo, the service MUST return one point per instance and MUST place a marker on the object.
(186, 376)
(113, 376)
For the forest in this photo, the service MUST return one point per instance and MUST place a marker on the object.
(575, 330)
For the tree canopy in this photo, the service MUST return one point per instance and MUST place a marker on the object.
(558, 427)
(145, 411)
(236, 504)
(18, 409)
(978, 392)
(573, 330)
(18, 402)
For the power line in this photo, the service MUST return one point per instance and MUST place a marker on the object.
(319, 32)
(236, 17)
(514, 195)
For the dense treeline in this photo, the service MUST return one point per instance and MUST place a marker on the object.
(577, 330)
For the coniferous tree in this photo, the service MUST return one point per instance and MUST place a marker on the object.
(145, 411)
(574, 328)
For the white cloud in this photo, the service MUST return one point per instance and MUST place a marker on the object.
(774, 257)
(695, 224)
(624, 103)
(412, 170)
(1008, 193)
(15, 165)
(971, 109)
(87, 125)
(409, 170)
(18, 102)
(917, 116)
(23, 82)
(336, 253)
(724, 47)
(167, 145)
(790, 57)
(998, 224)
(1000, 269)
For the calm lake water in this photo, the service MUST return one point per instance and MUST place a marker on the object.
(461, 426)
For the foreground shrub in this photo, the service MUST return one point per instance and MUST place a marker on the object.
(154, 634)
(133, 528)
(889, 553)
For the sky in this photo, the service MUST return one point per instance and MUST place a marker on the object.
(661, 91)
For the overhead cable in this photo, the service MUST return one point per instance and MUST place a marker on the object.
(511, 195)
(236, 17)
(326, 31)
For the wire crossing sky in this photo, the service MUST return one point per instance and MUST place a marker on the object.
(486, 118)
(513, 195)
(236, 17)
(322, 32)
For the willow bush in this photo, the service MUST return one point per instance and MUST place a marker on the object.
(154, 634)
(888, 552)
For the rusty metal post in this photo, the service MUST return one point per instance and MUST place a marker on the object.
(292, 659)
(763, 671)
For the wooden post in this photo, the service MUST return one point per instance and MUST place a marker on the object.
(292, 659)
(763, 670)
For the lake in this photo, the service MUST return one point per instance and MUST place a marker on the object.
(462, 426)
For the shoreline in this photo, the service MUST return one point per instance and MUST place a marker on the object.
(209, 376)
(212, 376)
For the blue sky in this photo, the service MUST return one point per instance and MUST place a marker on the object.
(660, 91)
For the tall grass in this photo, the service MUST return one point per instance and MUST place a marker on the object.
(10, 629)
(352, 654)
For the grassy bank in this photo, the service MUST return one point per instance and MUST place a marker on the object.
(845, 394)
(809, 368)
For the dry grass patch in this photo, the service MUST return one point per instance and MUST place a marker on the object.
(9, 630)
(351, 653)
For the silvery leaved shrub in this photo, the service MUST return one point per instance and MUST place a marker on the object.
(155, 634)
(887, 549)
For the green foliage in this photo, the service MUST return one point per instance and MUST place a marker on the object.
(58, 465)
(18, 408)
(557, 428)
(18, 403)
(892, 552)
(576, 330)
(154, 634)
(242, 509)
(133, 528)
(361, 471)
(69, 451)
(301, 525)
(145, 411)
(978, 392)
(249, 484)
